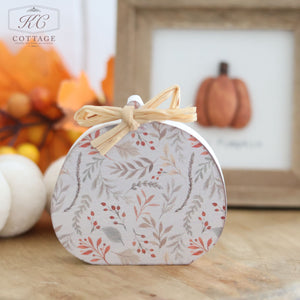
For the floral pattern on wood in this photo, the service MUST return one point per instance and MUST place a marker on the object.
(157, 197)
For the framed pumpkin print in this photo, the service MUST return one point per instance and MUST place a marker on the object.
(255, 47)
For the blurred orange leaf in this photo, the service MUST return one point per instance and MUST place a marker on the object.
(56, 146)
(32, 66)
(54, 97)
(108, 81)
(75, 93)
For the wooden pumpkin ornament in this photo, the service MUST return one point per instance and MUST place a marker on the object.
(223, 102)
(154, 196)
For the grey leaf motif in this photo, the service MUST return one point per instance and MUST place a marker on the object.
(163, 242)
(145, 183)
(103, 186)
(91, 167)
(146, 160)
(59, 195)
(177, 138)
(203, 168)
(127, 149)
(159, 131)
(168, 229)
(84, 205)
(194, 207)
(190, 183)
(217, 231)
(78, 181)
(206, 173)
(169, 161)
(177, 245)
(113, 234)
(127, 169)
(170, 197)
(128, 257)
(153, 221)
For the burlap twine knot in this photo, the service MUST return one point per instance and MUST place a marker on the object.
(132, 118)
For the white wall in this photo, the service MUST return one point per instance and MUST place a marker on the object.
(86, 38)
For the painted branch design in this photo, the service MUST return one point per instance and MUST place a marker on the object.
(170, 197)
(59, 195)
(129, 170)
(169, 161)
(158, 232)
(142, 205)
(78, 182)
(127, 150)
(211, 181)
(121, 208)
(190, 183)
(98, 181)
(98, 251)
(95, 164)
(196, 205)
(198, 247)
(145, 183)
(177, 139)
(177, 246)
(84, 205)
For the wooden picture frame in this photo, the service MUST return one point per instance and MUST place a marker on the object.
(136, 21)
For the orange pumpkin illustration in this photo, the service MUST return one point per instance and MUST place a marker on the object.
(223, 102)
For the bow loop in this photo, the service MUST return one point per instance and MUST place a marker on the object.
(90, 115)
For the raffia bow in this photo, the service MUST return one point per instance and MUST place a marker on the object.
(132, 118)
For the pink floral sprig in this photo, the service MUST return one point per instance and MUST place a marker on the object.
(205, 224)
(159, 173)
(98, 252)
(86, 142)
(94, 224)
(218, 208)
(140, 242)
(141, 141)
(198, 245)
(140, 210)
(196, 144)
(117, 216)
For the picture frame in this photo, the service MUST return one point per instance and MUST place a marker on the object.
(137, 19)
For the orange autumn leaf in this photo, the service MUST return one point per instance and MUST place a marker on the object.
(108, 81)
(42, 68)
(40, 75)
(56, 146)
(7, 83)
(75, 93)
(38, 70)
(33, 66)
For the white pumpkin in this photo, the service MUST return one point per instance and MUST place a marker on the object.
(27, 194)
(50, 179)
(5, 200)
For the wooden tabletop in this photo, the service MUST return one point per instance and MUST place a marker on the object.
(257, 257)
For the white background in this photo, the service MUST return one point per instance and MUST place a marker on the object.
(86, 38)
(263, 59)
